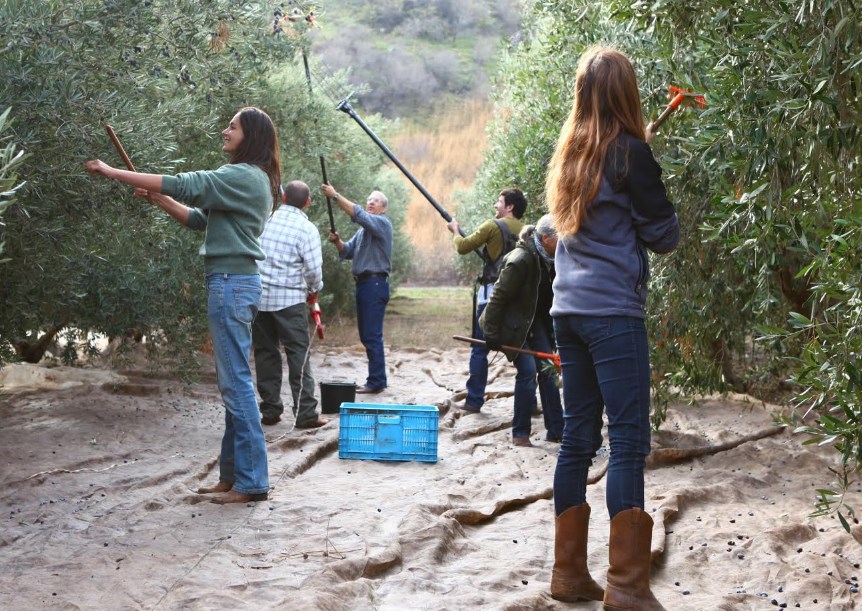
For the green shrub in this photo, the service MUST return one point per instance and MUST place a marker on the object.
(764, 285)
(85, 257)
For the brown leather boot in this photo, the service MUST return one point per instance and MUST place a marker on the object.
(570, 579)
(629, 569)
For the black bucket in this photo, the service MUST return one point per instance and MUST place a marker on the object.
(333, 394)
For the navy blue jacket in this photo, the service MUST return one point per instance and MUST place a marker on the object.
(603, 269)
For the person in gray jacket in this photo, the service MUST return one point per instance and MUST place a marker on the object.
(610, 206)
(518, 315)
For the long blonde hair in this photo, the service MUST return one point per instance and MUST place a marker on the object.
(606, 102)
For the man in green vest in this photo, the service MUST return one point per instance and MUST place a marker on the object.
(495, 237)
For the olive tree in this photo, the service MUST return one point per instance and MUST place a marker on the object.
(85, 257)
(779, 155)
(764, 286)
(10, 160)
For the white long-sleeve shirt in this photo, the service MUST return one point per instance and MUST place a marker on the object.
(294, 262)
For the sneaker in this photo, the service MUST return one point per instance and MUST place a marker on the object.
(522, 442)
(470, 409)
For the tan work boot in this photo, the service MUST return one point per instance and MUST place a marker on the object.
(629, 569)
(570, 579)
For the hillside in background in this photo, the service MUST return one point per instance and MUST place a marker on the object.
(406, 57)
(427, 64)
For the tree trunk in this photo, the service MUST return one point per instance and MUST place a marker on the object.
(721, 355)
(797, 292)
(33, 352)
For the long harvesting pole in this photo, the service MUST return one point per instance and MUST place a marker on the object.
(344, 106)
(320, 155)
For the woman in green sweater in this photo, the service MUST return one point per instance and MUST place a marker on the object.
(232, 204)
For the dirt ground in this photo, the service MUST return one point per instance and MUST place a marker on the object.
(99, 509)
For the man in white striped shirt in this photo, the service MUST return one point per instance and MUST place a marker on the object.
(291, 277)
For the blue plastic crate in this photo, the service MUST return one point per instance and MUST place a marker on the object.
(388, 432)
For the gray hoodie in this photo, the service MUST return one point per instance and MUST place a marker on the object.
(603, 269)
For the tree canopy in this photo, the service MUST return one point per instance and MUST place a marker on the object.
(84, 257)
(10, 159)
(762, 296)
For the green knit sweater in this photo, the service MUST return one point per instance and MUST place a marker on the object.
(232, 204)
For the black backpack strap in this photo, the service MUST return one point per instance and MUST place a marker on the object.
(508, 238)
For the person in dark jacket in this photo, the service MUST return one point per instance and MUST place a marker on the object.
(518, 315)
(610, 206)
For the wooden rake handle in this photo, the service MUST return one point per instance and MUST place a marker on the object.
(119, 147)
(555, 358)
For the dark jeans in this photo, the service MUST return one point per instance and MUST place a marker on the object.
(289, 328)
(372, 295)
(532, 371)
(605, 361)
(478, 365)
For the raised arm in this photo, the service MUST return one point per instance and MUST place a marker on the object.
(345, 204)
(150, 182)
(174, 209)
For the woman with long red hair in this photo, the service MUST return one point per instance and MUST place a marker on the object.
(610, 206)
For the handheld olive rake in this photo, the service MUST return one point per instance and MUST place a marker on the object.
(679, 97)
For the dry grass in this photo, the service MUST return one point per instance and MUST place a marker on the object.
(417, 317)
(444, 159)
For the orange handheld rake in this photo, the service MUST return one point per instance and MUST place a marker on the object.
(555, 358)
(679, 97)
(315, 314)
(314, 307)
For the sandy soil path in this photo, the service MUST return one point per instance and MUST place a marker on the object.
(99, 472)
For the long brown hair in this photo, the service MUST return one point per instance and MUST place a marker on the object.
(606, 102)
(259, 146)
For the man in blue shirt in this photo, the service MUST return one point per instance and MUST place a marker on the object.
(370, 248)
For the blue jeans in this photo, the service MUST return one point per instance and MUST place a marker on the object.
(232, 305)
(530, 370)
(605, 361)
(372, 295)
(478, 365)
